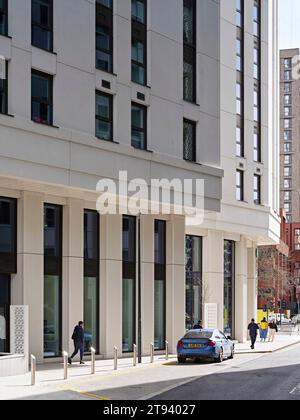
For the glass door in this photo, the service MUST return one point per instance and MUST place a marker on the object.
(4, 312)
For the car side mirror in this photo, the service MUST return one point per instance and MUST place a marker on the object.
(229, 338)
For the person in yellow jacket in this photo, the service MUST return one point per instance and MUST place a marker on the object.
(264, 328)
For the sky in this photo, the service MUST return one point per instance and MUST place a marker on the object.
(289, 24)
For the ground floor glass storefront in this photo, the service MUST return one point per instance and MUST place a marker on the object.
(194, 292)
(229, 287)
(160, 285)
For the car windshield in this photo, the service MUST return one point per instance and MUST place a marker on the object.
(199, 334)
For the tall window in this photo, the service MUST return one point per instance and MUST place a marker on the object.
(139, 126)
(129, 283)
(52, 280)
(3, 17)
(240, 78)
(189, 50)
(194, 309)
(240, 185)
(297, 239)
(257, 189)
(160, 285)
(41, 98)
(104, 35)
(5, 302)
(104, 116)
(229, 287)
(8, 235)
(189, 141)
(42, 24)
(4, 91)
(139, 42)
(91, 279)
(257, 80)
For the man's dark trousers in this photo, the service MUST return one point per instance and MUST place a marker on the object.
(253, 340)
(79, 347)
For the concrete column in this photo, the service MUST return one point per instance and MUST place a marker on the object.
(110, 284)
(28, 284)
(147, 268)
(252, 284)
(241, 315)
(175, 280)
(213, 274)
(72, 280)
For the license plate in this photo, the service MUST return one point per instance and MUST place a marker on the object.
(197, 346)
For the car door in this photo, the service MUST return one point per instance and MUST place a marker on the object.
(226, 344)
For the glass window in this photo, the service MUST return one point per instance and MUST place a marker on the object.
(160, 285)
(3, 17)
(7, 226)
(287, 159)
(139, 126)
(257, 189)
(287, 183)
(287, 123)
(91, 313)
(287, 87)
(91, 235)
(41, 98)
(287, 171)
(287, 111)
(194, 305)
(288, 75)
(287, 147)
(104, 35)
(52, 231)
(5, 302)
(287, 135)
(287, 196)
(257, 146)
(4, 92)
(104, 116)
(129, 283)
(52, 316)
(189, 141)
(240, 185)
(139, 42)
(189, 50)
(42, 24)
(239, 140)
(229, 287)
(287, 63)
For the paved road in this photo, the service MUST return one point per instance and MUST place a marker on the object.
(272, 377)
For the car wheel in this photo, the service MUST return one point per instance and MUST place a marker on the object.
(232, 355)
(220, 359)
(181, 360)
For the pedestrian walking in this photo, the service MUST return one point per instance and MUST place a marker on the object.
(264, 328)
(273, 330)
(78, 339)
(253, 329)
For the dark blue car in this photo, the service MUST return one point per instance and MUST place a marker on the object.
(205, 344)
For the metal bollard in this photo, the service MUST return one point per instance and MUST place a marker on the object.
(115, 358)
(93, 357)
(134, 355)
(167, 350)
(66, 356)
(33, 370)
(151, 353)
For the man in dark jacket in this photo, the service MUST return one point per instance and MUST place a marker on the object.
(78, 339)
(253, 329)
(198, 326)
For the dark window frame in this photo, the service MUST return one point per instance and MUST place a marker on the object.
(104, 18)
(38, 100)
(4, 13)
(48, 28)
(111, 112)
(240, 188)
(8, 261)
(257, 201)
(160, 274)
(5, 90)
(193, 124)
(144, 130)
(190, 53)
(139, 34)
(53, 266)
(92, 269)
(240, 78)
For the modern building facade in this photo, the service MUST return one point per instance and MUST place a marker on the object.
(289, 136)
(95, 87)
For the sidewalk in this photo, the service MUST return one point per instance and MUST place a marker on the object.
(281, 342)
(141, 382)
